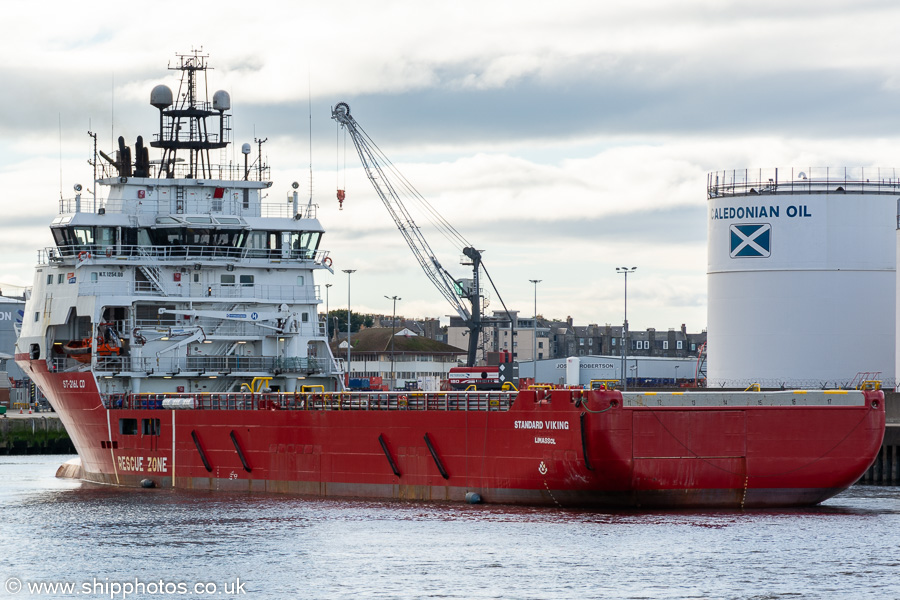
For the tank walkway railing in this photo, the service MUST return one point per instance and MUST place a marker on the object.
(813, 180)
(327, 401)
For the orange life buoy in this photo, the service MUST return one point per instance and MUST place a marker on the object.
(83, 255)
(327, 261)
(108, 251)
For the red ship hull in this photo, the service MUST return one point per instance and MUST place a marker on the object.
(575, 448)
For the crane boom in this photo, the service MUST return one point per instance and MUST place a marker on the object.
(387, 180)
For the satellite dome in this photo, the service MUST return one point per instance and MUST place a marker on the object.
(161, 97)
(245, 148)
(221, 101)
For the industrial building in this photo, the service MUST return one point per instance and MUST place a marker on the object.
(10, 314)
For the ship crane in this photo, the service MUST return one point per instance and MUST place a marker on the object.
(389, 183)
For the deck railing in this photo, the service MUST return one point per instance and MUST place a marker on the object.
(330, 401)
(203, 365)
(104, 254)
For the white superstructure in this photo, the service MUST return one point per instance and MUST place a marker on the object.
(182, 279)
(801, 276)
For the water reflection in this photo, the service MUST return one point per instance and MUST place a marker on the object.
(320, 548)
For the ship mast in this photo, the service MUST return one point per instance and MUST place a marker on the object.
(182, 121)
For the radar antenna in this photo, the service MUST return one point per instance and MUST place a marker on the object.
(182, 119)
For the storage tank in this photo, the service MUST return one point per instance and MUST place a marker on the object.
(801, 277)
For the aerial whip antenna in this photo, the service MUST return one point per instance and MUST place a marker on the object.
(309, 104)
(59, 117)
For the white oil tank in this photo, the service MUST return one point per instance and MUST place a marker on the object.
(801, 277)
(573, 371)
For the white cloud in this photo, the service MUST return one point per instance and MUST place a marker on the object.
(563, 142)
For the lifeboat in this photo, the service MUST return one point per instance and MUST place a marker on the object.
(80, 350)
(108, 344)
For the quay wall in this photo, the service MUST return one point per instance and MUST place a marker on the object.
(886, 468)
(36, 434)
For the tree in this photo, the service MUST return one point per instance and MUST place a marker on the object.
(356, 320)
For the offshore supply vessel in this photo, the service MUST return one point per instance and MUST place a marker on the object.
(175, 328)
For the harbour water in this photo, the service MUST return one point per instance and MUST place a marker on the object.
(112, 543)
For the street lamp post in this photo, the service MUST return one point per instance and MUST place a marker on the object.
(327, 337)
(393, 325)
(676, 374)
(625, 271)
(534, 341)
(348, 272)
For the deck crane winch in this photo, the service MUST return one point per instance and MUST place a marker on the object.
(389, 183)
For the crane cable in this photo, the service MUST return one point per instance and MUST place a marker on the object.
(431, 214)
(499, 297)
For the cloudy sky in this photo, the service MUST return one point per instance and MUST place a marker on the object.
(563, 139)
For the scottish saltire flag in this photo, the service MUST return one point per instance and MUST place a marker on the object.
(751, 241)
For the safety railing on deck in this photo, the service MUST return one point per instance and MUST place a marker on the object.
(293, 294)
(339, 401)
(219, 365)
(104, 253)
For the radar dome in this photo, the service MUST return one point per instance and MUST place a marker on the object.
(161, 97)
(245, 148)
(221, 101)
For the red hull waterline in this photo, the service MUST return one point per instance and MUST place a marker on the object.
(570, 448)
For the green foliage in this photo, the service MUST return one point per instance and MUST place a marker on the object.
(356, 320)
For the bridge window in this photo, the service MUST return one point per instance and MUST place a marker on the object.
(196, 237)
(262, 243)
(303, 244)
(84, 236)
(167, 236)
(59, 235)
(106, 236)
